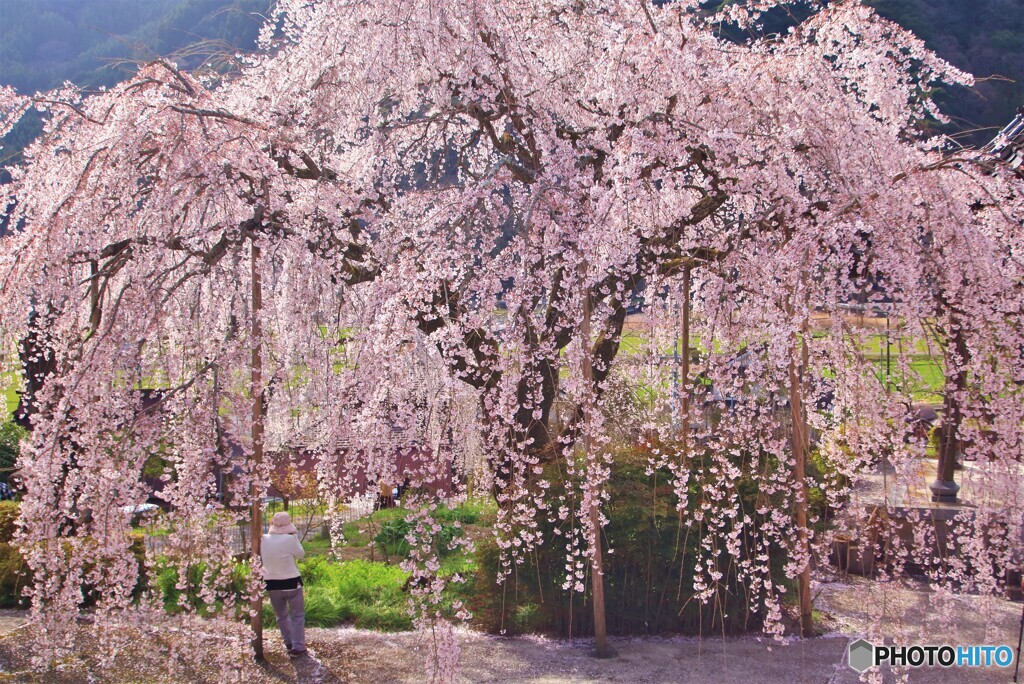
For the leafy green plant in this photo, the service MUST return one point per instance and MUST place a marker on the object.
(445, 539)
(14, 576)
(11, 435)
(822, 474)
(471, 512)
(164, 578)
(9, 513)
(392, 537)
(367, 594)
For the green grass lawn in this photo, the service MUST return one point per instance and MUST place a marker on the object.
(364, 593)
(372, 594)
(925, 383)
(12, 383)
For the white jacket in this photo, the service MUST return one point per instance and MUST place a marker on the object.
(279, 553)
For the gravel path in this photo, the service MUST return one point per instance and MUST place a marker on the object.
(857, 607)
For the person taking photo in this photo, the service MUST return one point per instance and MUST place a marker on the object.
(280, 549)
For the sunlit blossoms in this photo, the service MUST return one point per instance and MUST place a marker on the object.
(452, 208)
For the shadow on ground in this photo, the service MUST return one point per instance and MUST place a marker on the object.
(903, 612)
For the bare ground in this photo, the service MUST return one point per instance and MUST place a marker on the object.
(855, 607)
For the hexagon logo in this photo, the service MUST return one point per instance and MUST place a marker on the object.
(860, 655)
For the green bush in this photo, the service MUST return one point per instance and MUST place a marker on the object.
(392, 537)
(471, 512)
(9, 513)
(361, 593)
(391, 520)
(14, 576)
(164, 578)
(384, 618)
(316, 570)
(14, 571)
(445, 539)
(323, 609)
(648, 579)
(356, 534)
(11, 435)
(371, 583)
(822, 474)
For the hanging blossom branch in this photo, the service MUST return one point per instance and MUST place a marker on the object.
(446, 221)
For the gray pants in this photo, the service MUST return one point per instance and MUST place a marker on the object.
(290, 611)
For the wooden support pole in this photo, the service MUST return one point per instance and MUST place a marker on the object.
(256, 390)
(944, 489)
(601, 649)
(686, 361)
(799, 444)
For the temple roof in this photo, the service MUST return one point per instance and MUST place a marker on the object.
(1008, 145)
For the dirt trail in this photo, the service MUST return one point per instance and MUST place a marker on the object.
(854, 607)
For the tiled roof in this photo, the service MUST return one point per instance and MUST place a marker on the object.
(1009, 144)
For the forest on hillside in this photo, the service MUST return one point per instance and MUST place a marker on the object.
(96, 42)
(983, 37)
(87, 42)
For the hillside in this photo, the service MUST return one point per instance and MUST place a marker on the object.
(984, 37)
(94, 43)
(45, 42)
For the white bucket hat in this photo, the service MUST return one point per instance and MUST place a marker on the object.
(282, 524)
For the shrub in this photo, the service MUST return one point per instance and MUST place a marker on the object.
(368, 595)
(822, 474)
(164, 578)
(316, 570)
(14, 571)
(648, 579)
(384, 618)
(9, 513)
(471, 512)
(356, 534)
(14, 576)
(445, 539)
(322, 608)
(11, 435)
(392, 537)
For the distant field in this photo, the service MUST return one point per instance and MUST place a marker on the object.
(925, 381)
(926, 388)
